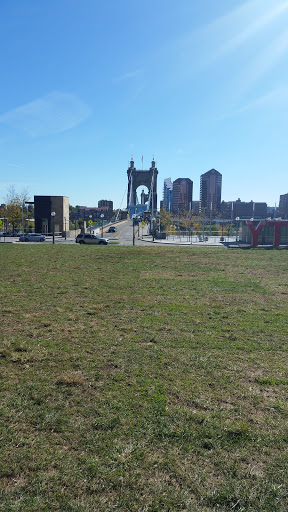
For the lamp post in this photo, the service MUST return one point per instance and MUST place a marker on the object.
(65, 226)
(237, 228)
(23, 218)
(153, 228)
(203, 224)
(133, 224)
(53, 225)
(90, 223)
(3, 218)
(210, 219)
(102, 217)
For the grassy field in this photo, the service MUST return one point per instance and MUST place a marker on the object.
(143, 379)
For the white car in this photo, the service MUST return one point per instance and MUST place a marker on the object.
(32, 237)
(85, 238)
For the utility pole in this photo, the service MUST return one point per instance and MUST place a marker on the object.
(133, 224)
(22, 217)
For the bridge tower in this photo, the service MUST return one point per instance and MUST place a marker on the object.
(147, 178)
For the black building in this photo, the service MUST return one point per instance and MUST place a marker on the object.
(182, 195)
(210, 191)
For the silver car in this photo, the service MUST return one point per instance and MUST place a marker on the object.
(85, 238)
(32, 237)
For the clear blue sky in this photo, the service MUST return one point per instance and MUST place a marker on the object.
(197, 83)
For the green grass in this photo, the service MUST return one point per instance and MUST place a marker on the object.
(143, 379)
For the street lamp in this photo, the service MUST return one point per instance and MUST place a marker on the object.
(237, 228)
(65, 226)
(3, 218)
(90, 223)
(133, 221)
(23, 218)
(53, 225)
(203, 224)
(102, 217)
(153, 224)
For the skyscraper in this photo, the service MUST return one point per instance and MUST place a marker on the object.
(210, 191)
(182, 195)
(167, 194)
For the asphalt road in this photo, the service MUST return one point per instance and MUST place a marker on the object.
(123, 236)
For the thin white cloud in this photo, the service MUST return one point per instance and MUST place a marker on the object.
(252, 25)
(245, 22)
(276, 99)
(263, 62)
(130, 74)
(54, 113)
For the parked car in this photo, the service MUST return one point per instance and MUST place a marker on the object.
(85, 238)
(10, 233)
(112, 229)
(32, 237)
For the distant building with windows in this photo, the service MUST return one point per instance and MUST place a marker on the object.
(227, 210)
(104, 203)
(167, 195)
(259, 210)
(182, 195)
(243, 210)
(195, 207)
(283, 206)
(210, 191)
(84, 212)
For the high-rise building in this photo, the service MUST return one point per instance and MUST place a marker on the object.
(283, 206)
(182, 195)
(210, 191)
(167, 194)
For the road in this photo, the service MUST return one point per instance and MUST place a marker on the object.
(123, 236)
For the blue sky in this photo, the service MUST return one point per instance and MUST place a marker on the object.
(197, 83)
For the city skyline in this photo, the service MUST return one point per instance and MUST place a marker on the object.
(200, 85)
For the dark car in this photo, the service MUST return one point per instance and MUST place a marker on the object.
(85, 238)
(10, 233)
(112, 229)
(32, 237)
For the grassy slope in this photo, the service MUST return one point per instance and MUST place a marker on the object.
(143, 379)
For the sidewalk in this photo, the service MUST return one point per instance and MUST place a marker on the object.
(174, 240)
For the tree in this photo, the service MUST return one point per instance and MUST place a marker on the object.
(166, 219)
(14, 208)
